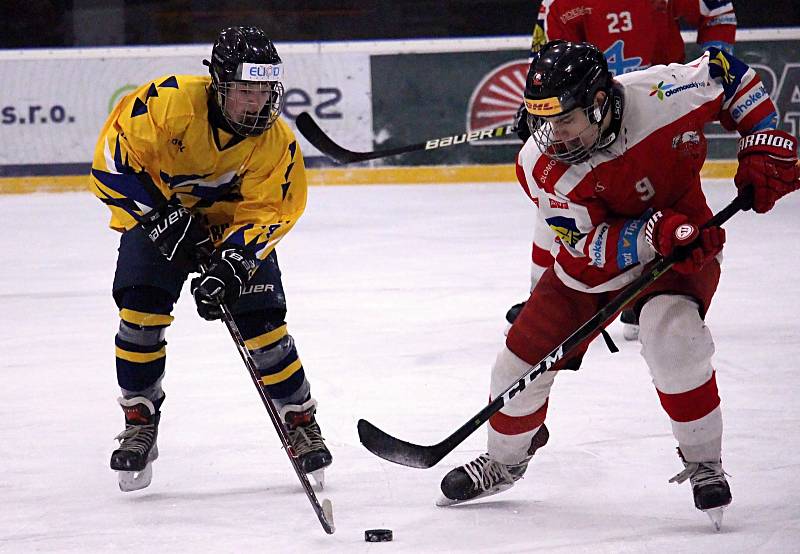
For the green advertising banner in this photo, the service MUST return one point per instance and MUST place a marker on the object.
(416, 97)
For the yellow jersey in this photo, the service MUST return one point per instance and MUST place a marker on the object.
(158, 144)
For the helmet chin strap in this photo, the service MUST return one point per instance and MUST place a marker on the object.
(615, 103)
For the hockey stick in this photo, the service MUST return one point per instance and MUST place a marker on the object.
(316, 136)
(405, 453)
(324, 510)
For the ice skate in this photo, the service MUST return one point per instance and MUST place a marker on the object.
(630, 324)
(306, 439)
(709, 486)
(485, 476)
(138, 449)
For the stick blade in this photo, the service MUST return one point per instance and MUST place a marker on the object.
(322, 142)
(327, 519)
(395, 450)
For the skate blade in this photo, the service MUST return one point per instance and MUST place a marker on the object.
(135, 480)
(319, 478)
(630, 332)
(443, 501)
(715, 515)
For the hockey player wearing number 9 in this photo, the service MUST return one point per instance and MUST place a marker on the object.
(201, 170)
(633, 35)
(614, 166)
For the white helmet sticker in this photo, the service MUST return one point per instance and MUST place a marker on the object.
(260, 72)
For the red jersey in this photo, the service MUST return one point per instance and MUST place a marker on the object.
(635, 34)
(596, 210)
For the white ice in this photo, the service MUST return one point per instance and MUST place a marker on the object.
(396, 300)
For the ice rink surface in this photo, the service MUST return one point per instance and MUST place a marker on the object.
(396, 300)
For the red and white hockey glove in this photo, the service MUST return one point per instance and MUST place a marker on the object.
(667, 230)
(768, 162)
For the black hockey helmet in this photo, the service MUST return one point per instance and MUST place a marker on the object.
(244, 59)
(565, 76)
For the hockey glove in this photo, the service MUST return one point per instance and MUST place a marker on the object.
(768, 163)
(180, 236)
(223, 281)
(667, 230)
(520, 126)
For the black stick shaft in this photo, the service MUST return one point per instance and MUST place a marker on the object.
(322, 142)
(275, 418)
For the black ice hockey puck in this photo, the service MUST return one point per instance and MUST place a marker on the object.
(378, 535)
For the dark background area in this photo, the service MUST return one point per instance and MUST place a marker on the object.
(64, 23)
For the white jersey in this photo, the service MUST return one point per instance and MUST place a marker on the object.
(596, 210)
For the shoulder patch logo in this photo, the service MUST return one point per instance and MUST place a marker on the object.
(565, 229)
(724, 65)
(659, 90)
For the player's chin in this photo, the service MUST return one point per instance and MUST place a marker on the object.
(249, 118)
(572, 152)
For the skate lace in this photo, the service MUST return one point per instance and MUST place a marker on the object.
(306, 439)
(701, 474)
(486, 472)
(136, 438)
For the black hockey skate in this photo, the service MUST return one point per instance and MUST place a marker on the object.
(709, 486)
(513, 312)
(306, 439)
(137, 450)
(486, 476)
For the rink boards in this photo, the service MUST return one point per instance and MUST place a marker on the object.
(365, 95)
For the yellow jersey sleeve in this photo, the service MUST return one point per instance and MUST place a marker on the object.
(132, 148)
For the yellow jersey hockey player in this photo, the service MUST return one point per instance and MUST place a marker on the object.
(201, 170)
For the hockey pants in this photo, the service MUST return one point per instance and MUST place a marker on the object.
(676, 345)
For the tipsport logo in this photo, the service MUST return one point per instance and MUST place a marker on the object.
(662, 91)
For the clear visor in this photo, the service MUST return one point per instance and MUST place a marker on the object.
(250, 107)
(570, 138)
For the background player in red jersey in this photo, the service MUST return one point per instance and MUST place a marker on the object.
(633, 35)
(614, 166)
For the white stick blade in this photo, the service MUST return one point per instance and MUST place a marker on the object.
(327, 511)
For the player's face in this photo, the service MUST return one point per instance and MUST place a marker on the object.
(244, 101)
(570, 137)
(574, 130)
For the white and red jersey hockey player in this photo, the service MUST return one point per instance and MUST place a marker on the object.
(651, 153)
(614, 166)
(633, 35)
